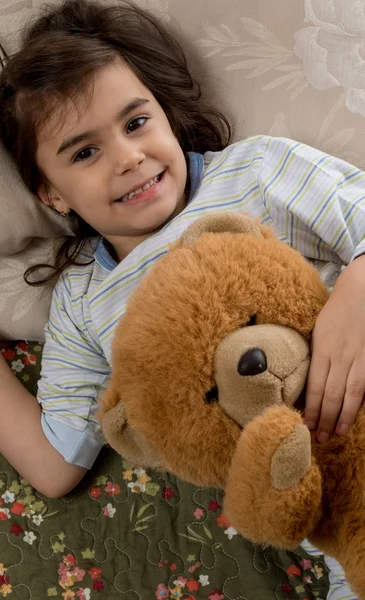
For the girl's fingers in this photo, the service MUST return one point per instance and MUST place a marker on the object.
(332, 400)
(316, 385)
(354, 397)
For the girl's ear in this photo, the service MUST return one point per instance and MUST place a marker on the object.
(50, 199)
(44, 195)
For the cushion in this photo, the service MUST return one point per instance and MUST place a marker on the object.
(28, 232)
(24, 309)
(284, 68)
(23, 216)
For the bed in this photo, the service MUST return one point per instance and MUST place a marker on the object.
(275, 68)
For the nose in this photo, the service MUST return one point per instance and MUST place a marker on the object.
(252, 362)
(128, 157)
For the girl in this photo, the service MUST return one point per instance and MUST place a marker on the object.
(107, 127)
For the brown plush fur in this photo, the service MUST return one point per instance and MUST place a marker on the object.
(182, 323)
(164, 346)
(341, 530)
(258, 510)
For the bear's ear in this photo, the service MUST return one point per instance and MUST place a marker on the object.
(220, 223)
(120, 435)
(126, 440)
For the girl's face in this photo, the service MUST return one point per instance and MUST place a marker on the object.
(114, 161)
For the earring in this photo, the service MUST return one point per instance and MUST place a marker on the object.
(63, 214)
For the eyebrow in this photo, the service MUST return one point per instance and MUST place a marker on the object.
(82, 137)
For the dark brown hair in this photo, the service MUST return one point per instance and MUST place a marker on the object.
(59, 55)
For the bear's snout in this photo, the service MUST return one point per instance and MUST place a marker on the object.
(260, 366)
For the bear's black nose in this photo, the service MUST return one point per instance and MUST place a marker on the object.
(253, 362)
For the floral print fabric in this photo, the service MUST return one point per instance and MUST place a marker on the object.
(128, 533)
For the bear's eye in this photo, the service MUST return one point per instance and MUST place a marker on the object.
(211, 397)
(252, 321)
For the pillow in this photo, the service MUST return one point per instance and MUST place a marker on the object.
(23, 215)
(28, 231)
(23, 309)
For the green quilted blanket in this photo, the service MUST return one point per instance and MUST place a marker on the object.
(134, 535)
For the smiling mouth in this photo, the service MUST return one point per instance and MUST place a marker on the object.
(152, 182)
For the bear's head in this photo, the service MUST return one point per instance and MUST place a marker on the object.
(217, 332)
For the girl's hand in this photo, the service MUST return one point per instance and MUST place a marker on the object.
(336, 381)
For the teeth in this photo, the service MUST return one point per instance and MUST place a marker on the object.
(136, 192)
(142, 189)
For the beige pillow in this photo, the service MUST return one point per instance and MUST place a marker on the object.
(28, 231)
(23, 216)
(23, 309)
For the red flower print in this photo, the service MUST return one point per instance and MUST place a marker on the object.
(8, 354)
(3, 516)
(98, 585)
(193, 567)
(18, 508)
(287, 588)
(62, 568)
(293, 571)
(216, 595)
(222, 521)
(16, 529)
(214, 505)
(198, 513)
(4, 580)
(112, 488)
(189, 597)
(162, 591)
(160, 564)
(173, 567)
(95, 573)
(23, 347)
(79, 573)
(192, 585)
(95, 492)
(30, 359)
(306, 564)
(69, 560)
(168, 493)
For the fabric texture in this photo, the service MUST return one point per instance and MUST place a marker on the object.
(291, 69)
(125, 532)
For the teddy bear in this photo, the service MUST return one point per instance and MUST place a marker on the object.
(209, 366)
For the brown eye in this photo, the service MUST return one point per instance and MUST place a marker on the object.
(211, 397)
(252, 321)
(136, 123)
(84, 155)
